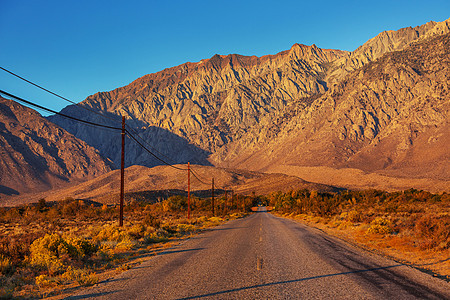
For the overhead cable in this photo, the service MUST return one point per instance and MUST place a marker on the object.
(195, 175)
(145, 142)
(57, 95)
(57, 113)
(153, 154)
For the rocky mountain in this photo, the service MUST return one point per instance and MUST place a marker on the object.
(193, 110)
(36, 154)
(391, 116)
(381, 108)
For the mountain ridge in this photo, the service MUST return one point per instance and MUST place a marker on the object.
(37, 155)
(229, 109)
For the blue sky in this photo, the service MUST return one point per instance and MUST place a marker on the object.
(78, 48)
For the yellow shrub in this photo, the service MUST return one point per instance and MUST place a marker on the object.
(105, 251)
(125, 245)
(5, 264)
(82, 277)
(381, 221)
(111, 233)
(82, 246)
(202, 219)
(353, 216)
(185, 228)
(45, 252)
(215, 219)
(380, 226)
(46, 281)
(137, 231)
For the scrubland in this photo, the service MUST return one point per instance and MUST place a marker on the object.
(51, 249)
(412, 227)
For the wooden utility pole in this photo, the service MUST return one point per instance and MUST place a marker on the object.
(122, 171)
(189, 191)
(212, 197)
(232, 199)
(226, 203)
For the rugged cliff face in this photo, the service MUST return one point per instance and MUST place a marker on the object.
(382, 107)
(35, 154)
(390, 115)
(193, 110)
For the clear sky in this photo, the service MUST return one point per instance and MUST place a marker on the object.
(79, 47)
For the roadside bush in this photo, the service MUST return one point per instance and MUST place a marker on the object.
(110, 233)
(435, 230)
(151, 220)
(46, 253)
(380, 226)
(183, 228)
(83, 247)
(82, 276)
(5, 265)
(44, 281)
(353, 216)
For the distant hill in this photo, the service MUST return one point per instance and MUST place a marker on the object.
(37, 155)
(164, 181)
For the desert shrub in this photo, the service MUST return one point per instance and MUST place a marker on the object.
(155, 238)
(353, 216)
(46, 252)
(169, 229)
(110, 233)
(83, 247)
(6, 265)
(325, 204)
(137, 231)
(82, 276)
(183, 228)
(16, 248)
(380, 226)
(41, 205)
(151, 220)
(177, 203)
(46, 281)
(435, 230)
(126, 244)
(105, 252)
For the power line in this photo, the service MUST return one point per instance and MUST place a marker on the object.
(57, 95)
(55, 112)
(154, 155)
(195, 175)
(80, 106)
(145, 142)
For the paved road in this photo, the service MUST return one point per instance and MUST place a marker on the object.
(265, 257)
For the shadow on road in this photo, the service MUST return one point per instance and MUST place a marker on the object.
(221, 229)
(287, 281)
(179, 251)
(90, 295)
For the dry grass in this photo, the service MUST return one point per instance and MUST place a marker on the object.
(50, 250)
(411, 226)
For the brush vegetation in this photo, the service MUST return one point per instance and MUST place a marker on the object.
(411, 226)
(49, 249)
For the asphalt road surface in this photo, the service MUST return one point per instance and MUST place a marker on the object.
(266, 257)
